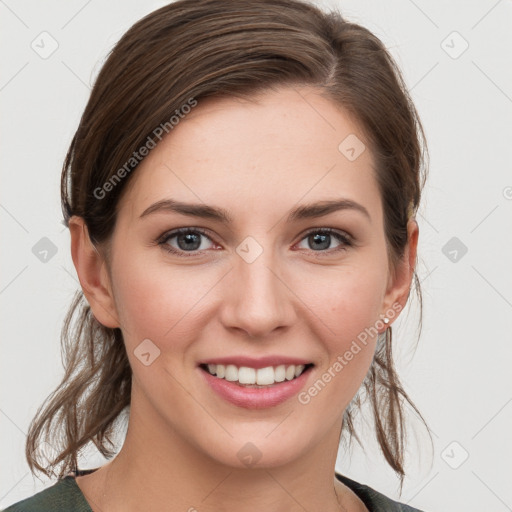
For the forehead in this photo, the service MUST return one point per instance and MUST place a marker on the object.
(258, 155)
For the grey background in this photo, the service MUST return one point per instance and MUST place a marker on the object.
(459, 376)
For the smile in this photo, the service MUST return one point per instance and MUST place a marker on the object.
(255, 388)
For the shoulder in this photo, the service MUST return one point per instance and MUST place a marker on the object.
(63, 496)
(374, 500)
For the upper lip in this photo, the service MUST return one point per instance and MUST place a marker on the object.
(260, 362)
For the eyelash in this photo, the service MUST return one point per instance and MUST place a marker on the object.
(342, 237)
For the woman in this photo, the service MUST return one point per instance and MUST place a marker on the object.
(240, 194)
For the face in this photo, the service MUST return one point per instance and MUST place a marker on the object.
(264, 283)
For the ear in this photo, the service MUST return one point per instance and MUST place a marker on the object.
(399, 284)
(92, 273)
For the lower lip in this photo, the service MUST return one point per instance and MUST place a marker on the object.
(256, 398)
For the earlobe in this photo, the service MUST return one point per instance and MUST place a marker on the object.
(400, 285)
(91, 269)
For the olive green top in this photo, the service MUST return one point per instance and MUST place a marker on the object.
(66, 496)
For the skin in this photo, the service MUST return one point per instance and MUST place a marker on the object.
(258, 160)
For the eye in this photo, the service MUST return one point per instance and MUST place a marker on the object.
(187, 239)
(320, 239)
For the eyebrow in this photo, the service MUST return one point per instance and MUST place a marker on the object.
(307, 211)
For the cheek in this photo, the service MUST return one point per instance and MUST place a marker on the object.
(349, 351)
(353, 296)
(348, 299)
(356, 306)
(155, 301)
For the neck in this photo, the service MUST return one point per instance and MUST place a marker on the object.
(156, 469)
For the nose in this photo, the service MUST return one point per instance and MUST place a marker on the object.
(258, 300)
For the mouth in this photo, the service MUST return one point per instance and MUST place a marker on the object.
(247, 377)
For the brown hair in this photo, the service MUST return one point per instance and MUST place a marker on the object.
(193, 49)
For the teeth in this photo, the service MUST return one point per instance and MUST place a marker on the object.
(261, 377)
(231, 373)
(247, 375)
(280, 373)
(264, 376)
(220, 370)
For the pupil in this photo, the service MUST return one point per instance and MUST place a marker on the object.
(189, 237)
(323, 239)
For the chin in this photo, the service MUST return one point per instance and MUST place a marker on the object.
(256, 452)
